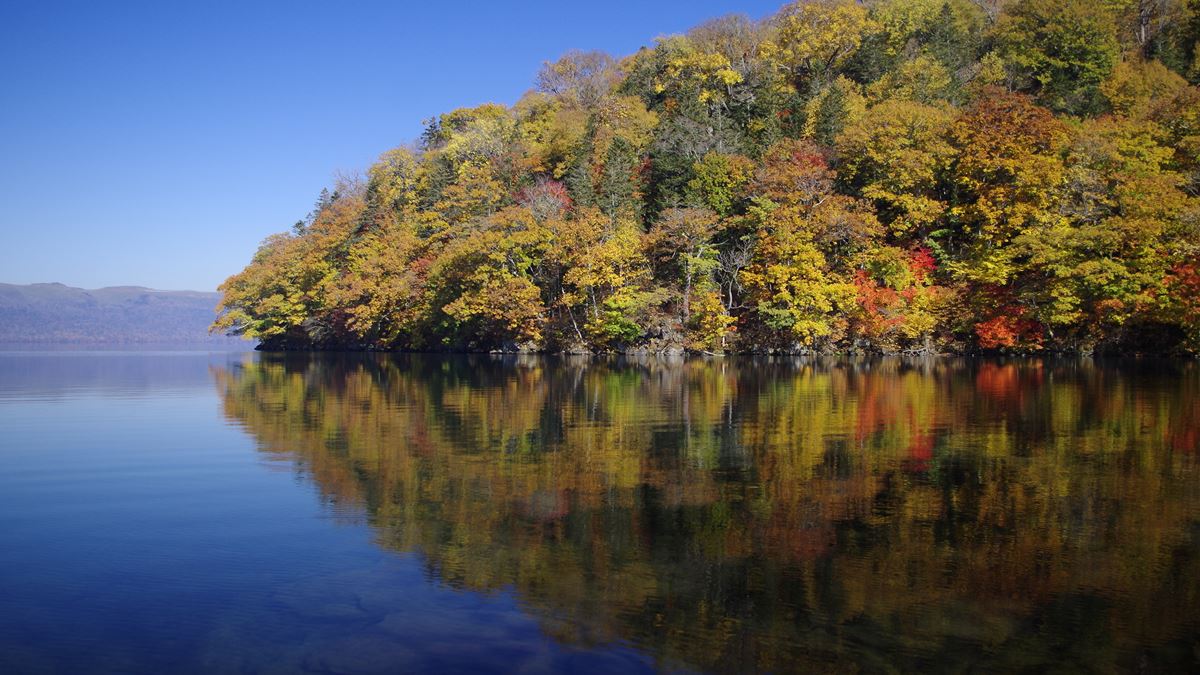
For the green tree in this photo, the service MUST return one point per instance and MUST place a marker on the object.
(1060, 50)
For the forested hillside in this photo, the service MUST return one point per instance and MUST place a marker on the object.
(890, 175)
(42, 314)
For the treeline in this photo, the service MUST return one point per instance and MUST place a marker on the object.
(892, 175)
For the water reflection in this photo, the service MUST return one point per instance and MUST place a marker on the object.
(757, 515)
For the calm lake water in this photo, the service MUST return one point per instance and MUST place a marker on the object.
(242, 513)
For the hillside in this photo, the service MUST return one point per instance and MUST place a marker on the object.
(118, 315)
(883, 175)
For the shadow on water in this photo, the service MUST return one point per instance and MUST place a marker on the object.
(780, 515)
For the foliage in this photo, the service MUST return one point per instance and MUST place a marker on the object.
(720, 182)
(897, 155)
(887, 175)
(812, 39)
(1060, 50)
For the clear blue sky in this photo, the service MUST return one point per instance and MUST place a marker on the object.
(158, 143)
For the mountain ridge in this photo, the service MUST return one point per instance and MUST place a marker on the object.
(55, 313)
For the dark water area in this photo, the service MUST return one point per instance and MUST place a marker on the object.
(259, 513)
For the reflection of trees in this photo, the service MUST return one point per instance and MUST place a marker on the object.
(767, 515)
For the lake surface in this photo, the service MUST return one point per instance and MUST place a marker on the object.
(193, 512)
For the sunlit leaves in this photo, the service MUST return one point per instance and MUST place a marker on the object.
(1061, 50)
(771, 184)
(898, 156)
(814, 38)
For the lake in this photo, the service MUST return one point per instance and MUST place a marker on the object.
(245, 513)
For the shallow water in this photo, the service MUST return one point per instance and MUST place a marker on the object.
(186, 512)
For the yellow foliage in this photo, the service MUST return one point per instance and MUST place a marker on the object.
(1136, 87)
(814, 37)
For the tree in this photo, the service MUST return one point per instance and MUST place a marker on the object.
(546, 199)
(789, 286)
(1060, 50)
(604, 280)
(795, 177)
(474, 193)
(1006, 175)
(394, 182)
(281, 296)
(897, 155)
(617, 192)
(380, 287)
(680, 244)
(1141, 89)
(899, 305)
(1096, 274)
(720, 182)
(830, 110)
(813, 39)
(580, 78)
(794, 172)
(923, 79)
(484, 286)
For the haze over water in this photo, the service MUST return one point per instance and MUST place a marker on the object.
(187, 512)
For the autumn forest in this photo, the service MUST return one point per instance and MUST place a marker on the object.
(897, 176)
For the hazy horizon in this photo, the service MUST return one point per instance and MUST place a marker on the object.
(111, 286)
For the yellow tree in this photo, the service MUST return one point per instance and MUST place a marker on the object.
(788, 282)
(897, 155)
(605, 278)
(281, 296)
(483, 282)
(812, 39)
(1007, 174)
(394, 182)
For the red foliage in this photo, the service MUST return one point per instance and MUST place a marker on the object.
(922, 263)
(1009, 328)
(643, 168)
(919, 454)
(1185, 440)
(422, 265)
(1183, 284)
(546, 197)
(881, 305)
(1186, 276)
(795, 172)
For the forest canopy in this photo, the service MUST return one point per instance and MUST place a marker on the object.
(889, 175)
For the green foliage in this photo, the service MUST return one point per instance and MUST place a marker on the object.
(720, 182)
(617, 192)
(1060, 50)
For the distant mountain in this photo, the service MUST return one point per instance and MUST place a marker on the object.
(118, 315)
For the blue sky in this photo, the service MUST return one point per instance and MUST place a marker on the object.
(158, 143)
